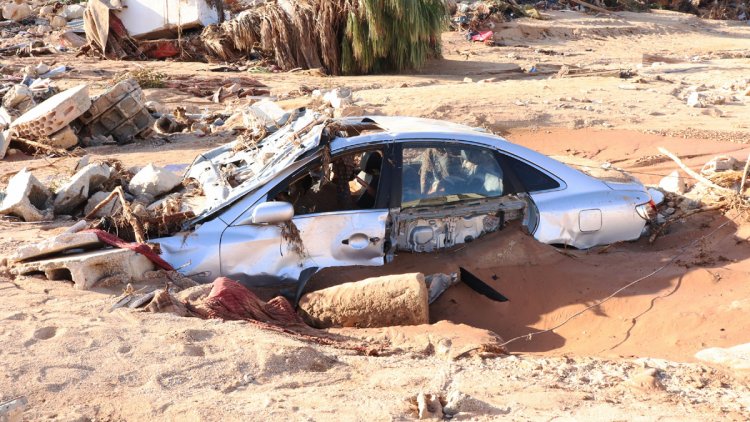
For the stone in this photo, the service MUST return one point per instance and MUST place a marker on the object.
(89, 268)
(73, 11)
(375, 302)
(27, 198)
(647, 380)
(74, 193)
(673, 183)
(119, 112)
(19, 98)
(153, 181)
(53, 115)
(63, 139)
(111, 208)
(16, 11)
(60, 243)
(694, 100)
(4, 143)
(429, 407)
(12, 411)
(58, 22)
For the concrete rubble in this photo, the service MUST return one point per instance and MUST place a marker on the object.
(57, 244)
(52, 115)
(77, 191)
(111, 208)
(119, 112)
(12, 411)
(153, 181)
(19, 99)
(17, 10)
(88, 269)
(374, 302)
(27, 198)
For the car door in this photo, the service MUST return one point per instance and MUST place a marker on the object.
(450, 193)
(320, 235)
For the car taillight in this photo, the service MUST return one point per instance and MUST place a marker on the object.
(647, 211)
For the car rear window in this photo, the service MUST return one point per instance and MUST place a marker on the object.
(533, 180)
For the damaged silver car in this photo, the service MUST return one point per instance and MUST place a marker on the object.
(322, 192)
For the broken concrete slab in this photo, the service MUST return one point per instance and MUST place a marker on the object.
(54, 114)
(27, 197)
(57, 244)
(64, 139)
(673, 183)
(111, 208)
(88, 269)
(76, 192)
(158, 18)
(375, 302)
(153, 181)
(119, 112)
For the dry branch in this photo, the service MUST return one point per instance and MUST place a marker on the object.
(694, 174)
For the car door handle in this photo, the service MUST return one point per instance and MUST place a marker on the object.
(359, 241)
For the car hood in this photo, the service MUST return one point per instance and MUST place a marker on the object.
(230, 171)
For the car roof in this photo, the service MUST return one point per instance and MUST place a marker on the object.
(420, 125)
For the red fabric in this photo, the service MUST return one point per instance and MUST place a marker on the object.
(140, 248)
(483, 36)
(230, 300)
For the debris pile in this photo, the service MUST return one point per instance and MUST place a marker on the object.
(72, 118)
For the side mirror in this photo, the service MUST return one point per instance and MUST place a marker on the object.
(272, 213)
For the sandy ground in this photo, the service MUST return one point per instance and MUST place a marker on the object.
(75, 360)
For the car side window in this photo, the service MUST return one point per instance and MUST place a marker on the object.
(349, 182)
(532, 179)
(435, 175)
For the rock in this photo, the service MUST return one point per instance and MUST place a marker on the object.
(54, 114)
(113, 207)
(58, 22)
(56, 244)
(4, 143)
(12, 411)
(27, 198)
(737, 357)
(63, 139)
(16, 11)
(647, 380)
(429, 407)
(19, 98)
(87, 269)
(74, 193)
(119, 112)
(694, 100)
(374, 302)
(458, 402)
(73, 11)
(153, 181)
(673, 183)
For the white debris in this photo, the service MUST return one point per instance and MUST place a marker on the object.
(153, 181)
(737, 357)
(27, 198)
(694, 100)
(77, 190)
(673, 183)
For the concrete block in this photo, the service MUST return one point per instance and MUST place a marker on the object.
(87, 269)
(153, 181)
(673, 183)
(27, 197)
(54, 114)
(81, 185)
(63, 139)
(57, 244)
(113, 207)
(119, 112)
(371, 303)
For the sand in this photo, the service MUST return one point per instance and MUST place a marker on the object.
(632, 358)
